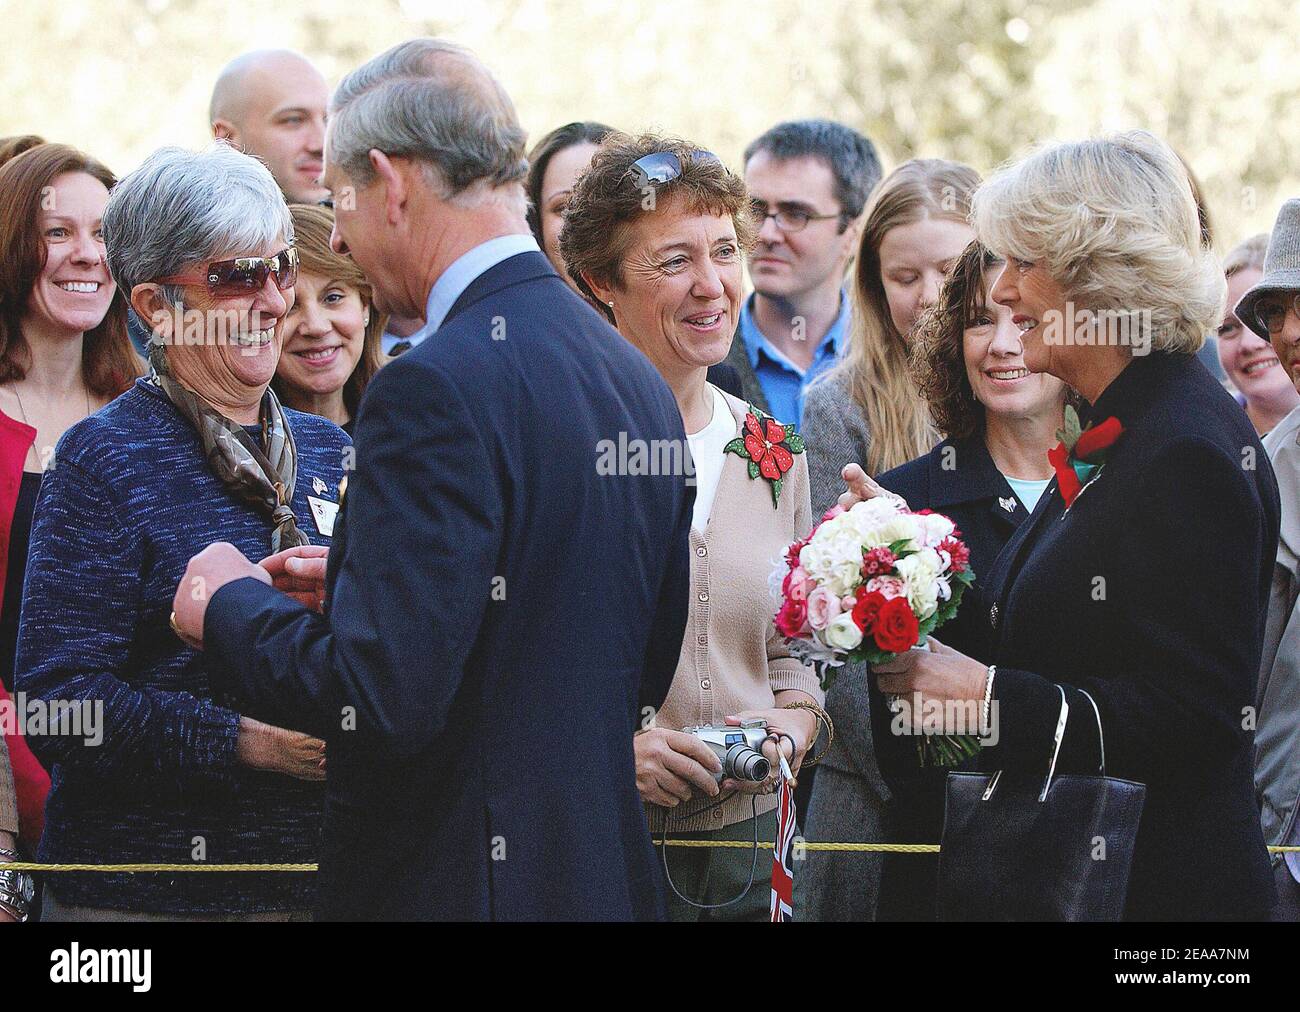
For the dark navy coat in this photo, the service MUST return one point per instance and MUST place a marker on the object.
(500, 613)
(1150, 593)
(958, 479)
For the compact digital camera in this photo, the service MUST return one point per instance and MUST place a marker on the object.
(739, 748)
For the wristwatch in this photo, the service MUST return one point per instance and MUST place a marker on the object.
(17, 889)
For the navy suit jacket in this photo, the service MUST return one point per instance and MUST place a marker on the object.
(1150, 593)
(500, 611)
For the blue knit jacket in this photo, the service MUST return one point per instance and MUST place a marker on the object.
(129, 500)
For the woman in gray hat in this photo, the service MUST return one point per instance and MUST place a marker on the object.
(1272, 310)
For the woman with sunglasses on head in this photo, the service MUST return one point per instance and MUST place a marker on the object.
(554, 165)
(654, 237)
(199, 451)
(332, 331)
(64, 354)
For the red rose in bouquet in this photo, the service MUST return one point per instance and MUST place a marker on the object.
(896, 627)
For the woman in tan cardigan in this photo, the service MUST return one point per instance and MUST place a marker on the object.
(655, 235)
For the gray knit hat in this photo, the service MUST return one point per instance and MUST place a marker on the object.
(1281, 266)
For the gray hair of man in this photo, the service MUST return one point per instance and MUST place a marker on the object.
(182, 207)
(433, 102)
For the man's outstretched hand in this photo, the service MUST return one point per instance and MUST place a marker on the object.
(300, 573)
(218, 564)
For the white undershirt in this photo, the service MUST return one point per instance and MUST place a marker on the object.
(707, 453)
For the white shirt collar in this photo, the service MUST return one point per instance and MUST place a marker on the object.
(463, 272)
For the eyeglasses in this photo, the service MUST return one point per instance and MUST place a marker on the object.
(243, 275)
(788, 219)
(663, 167)
(1270, 312)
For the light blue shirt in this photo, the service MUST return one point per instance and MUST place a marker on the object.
(783, 382)
(463, 272)
(1028, 490)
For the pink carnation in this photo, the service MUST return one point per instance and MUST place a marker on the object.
(957, 552)
(889, 587)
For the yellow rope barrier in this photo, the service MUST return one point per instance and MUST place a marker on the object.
(850, 848)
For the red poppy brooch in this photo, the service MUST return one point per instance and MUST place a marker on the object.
(1081, 453)
(769, 447)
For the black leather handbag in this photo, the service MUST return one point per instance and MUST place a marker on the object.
(1015, 851)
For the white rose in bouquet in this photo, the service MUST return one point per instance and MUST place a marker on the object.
(843, 633)
(920, 572)
(934, 528)
(903, 527)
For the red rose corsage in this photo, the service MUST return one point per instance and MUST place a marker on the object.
(1081, 454)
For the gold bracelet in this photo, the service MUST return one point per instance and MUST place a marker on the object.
(824, 718)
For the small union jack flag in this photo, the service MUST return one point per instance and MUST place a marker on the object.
(782, 873)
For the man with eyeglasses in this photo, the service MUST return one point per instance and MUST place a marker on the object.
(809, 181)
(1272, 310)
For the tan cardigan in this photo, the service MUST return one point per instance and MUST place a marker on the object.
(732, 657)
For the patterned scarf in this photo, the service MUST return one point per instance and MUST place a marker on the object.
(263, 479)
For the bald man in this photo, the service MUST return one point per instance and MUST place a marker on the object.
(271, 103)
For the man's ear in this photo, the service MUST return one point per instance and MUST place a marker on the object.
(154, 312)
(394, 182)
(224, 130)
(852, 236)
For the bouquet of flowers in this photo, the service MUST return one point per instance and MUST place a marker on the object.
(868, 583)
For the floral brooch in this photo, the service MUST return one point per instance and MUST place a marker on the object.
(769, 447)
(1081, 454)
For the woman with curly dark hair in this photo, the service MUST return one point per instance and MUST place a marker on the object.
(999, 420)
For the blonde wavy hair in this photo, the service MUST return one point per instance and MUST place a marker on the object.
(1113, 220)
(1247, 255)
(875, 369)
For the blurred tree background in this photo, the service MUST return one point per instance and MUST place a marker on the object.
(976, 80)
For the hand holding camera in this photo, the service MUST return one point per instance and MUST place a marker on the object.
(673, 766)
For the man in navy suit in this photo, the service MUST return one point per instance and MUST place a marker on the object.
(501, 616)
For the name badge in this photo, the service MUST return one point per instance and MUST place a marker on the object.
(324, 513)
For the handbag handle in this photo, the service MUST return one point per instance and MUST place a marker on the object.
(1101, 740)
(1056, 744)
(1056, 751)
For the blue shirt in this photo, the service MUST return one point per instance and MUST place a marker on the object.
(1028, 490)
(463, 271)
(130, 501)
(783, 382)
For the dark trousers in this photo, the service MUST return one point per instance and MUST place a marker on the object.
(716, 874)
(1288, 894)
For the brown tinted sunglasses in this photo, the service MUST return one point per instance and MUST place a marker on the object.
(242, 275)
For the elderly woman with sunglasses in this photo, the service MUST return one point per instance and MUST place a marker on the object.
(654, 235)
(198, 451)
